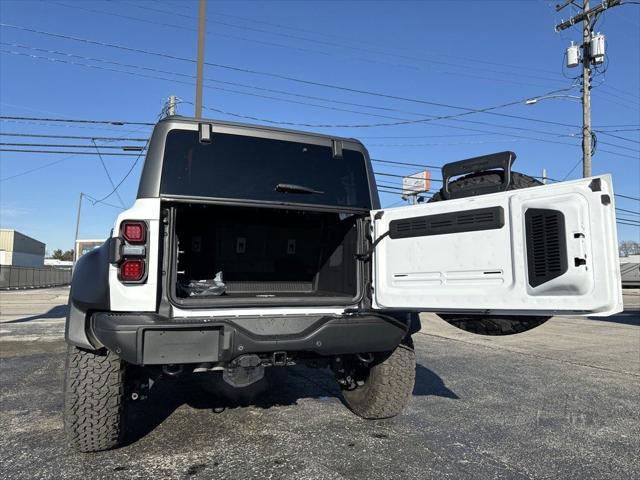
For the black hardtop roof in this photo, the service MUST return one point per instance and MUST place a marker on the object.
(196, 121)
(151, 175)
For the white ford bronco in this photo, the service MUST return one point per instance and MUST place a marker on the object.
(251, 247)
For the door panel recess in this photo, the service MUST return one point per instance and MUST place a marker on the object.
(546, 245)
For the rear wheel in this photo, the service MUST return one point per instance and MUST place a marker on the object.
(384, 388)
(483, 324)
(93, 399)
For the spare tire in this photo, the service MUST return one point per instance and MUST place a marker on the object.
(490, 324)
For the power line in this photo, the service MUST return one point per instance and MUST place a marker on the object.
(630, 220)
(572, 170)
(636, 157)
(272, 90)
(431, 70)
(618, 126)
(477, 142)
(103, 203)
(341, 46)
(412, 66)
(73, 137)
(391, 192)
(386, 174)
(106, 170)
(371, 125)
(288, 78)
(40, 167)
(133, 165)
(58, 60)
(300, 124)
(618, 146)
(69, 120)
(625, 100)
(61, 152)
(297, 124)
(633, 95)
(390, 187)
(627, 224)
(65, 145)
(628, 211)
(115, 189)
(627, 197)
(448, 135)
(74, 126)
(133, 66)
(279, 122)
(406, 164)
(618, 136)
(210, 79)
(431, 53)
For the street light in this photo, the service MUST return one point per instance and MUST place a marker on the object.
(533, 101)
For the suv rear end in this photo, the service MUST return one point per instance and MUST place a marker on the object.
(246, 248)
(251, 248)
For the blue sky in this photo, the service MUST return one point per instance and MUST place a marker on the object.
(471, 54)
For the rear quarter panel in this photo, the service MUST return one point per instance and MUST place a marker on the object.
(139, 297)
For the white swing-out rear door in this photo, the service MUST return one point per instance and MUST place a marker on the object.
(544, 250)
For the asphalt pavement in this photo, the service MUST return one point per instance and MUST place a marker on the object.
(560, 401)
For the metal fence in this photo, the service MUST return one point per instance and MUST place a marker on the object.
(25, 277)
(630, 273)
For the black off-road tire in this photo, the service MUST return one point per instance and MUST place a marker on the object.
(494, 324)
(387, 388)
(93, 399)
(490, 325)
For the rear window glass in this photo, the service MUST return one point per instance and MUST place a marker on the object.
(235, 166)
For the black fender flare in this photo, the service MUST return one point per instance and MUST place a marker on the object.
(89, 293)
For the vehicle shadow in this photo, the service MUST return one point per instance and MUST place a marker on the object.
(628, 317)
(430, 383)
(279, 387)
(59, 311)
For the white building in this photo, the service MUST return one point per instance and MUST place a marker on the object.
(55, 263)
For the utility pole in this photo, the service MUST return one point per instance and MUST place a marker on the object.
(586, 91)
(201, 39)
(75, 242)
(588, 57)
(172, 105)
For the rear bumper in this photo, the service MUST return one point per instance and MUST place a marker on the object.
(150, 339)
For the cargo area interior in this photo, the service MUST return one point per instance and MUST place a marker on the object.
(228, 252)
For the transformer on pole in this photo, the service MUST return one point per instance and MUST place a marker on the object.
(573, 56)
(593, 47)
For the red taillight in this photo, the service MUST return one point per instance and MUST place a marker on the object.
(132, 264)
(132, 270)
(133, 232)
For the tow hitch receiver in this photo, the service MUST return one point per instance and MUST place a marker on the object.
(279, 359)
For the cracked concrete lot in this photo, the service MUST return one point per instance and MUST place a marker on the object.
(561, 401)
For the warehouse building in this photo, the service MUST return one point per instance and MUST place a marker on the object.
(20, 250)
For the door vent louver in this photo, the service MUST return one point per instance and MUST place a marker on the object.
(455, 222)
(546, 245)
